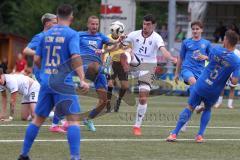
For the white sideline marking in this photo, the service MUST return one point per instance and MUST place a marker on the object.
(127, 125)
(114, 140)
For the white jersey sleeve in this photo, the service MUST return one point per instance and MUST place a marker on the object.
(130, 37)
(159, 41)
(11, 83)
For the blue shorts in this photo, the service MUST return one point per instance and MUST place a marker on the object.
(186, 74)
(100, 80)
(195, 99)
(65, 104)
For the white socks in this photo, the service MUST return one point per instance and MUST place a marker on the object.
(141, 110)
(220, 100)
(230, 102)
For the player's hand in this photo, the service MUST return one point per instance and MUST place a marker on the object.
(84, 87)
(176, 79)
(99, 51)
(174, 60)
(202, 57)
(122, 37)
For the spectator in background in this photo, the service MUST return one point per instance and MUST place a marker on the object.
(219, 32)
(180, 35)
(163, 32)
(21, 64)
(4, 65)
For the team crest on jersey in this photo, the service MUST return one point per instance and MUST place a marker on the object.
(137, 40)
(150, 42)
(203, 46)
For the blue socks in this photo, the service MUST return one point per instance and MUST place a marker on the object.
(31, 134)
(93, 113)
(184, 116)
(73, 136)
(206, 115)
(55, 119)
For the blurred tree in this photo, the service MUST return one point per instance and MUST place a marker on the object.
(22, 17)
(159, 10)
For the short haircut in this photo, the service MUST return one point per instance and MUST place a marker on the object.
(47, 17)
(92, 17)
(64, 11)
(198, 23)
(232, 37)
(149, 17)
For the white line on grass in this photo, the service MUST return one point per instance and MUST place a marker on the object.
(127, 125)
(114, 140)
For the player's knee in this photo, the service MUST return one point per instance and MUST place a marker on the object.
(93, 67)
(191, 80)
(143, 100)
(124, 86)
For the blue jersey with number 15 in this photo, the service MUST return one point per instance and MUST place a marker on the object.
(222, 63)
(56, 47)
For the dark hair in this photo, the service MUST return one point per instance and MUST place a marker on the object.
(232, 37)
(198, 23)
(1, 71)
(149, 17)
(64, 11)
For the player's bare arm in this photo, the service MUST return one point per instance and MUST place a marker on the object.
(29, 52)
(77, 65)
(3, 114)
(13, 100)
(168, 55)
(178, 68)
(37, 61)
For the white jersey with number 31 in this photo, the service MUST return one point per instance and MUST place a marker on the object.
(145, 48)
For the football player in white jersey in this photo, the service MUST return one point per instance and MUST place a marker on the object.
(145, 45)
(24, 85)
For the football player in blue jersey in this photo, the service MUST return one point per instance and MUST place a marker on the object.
(222, 63)
(194, 52)
(58, 45)
(91, 48)
(48, 21)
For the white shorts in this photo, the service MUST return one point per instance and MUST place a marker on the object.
(32, 96)
(145, 74)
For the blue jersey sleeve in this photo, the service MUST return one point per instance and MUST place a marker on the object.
(208, 49)
(39, 47)
(211, 54)
(74, 44)
(34, 42)
(183, 51)
(105, 39)
(236, 72)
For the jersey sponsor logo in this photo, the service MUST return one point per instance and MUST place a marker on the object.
(203, 46)
(49, 39)
(60, 39)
